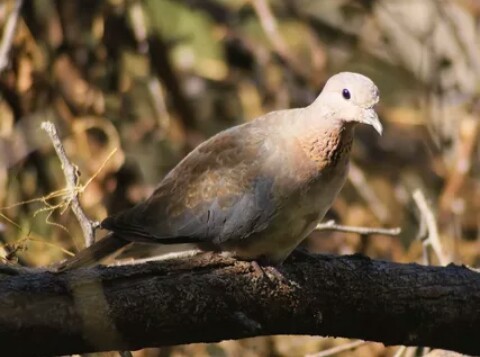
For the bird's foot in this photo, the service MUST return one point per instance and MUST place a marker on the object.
(263, 270)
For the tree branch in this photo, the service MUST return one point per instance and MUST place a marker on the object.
(212, 299)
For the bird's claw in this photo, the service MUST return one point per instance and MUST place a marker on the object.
(262, 271)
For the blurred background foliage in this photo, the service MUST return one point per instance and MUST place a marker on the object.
(154, 78)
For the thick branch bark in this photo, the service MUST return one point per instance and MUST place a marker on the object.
(205, 300)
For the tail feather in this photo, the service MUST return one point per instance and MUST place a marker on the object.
(95, 253)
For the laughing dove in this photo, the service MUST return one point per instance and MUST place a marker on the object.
(254, 191)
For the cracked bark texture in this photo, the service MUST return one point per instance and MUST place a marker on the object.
(211, 298)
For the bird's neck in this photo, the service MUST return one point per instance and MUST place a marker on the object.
(327, 143)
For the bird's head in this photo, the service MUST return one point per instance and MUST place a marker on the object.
(350, 97)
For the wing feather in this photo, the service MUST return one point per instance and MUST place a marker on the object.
(217, 193)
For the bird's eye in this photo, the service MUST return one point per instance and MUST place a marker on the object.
(346, 94)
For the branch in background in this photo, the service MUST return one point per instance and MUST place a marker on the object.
(469, 132)
(163, 68)
(328, 32)
(332, 226)
(459, 29)
(139, 28)
(8, 34)
(270, 27)
(71, 174)
(212, 299)
(432, 238)
(360, 182)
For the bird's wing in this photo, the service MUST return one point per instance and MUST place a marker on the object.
(219, 192)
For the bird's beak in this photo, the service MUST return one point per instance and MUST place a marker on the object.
(371, 118)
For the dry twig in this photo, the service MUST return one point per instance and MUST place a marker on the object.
(332, 226)
(71, 174)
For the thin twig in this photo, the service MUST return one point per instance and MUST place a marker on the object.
(338, 349)
(8, 34)
(332, 226)
(433, 238)
(71, 174)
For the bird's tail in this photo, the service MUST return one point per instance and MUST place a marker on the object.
(95, 253)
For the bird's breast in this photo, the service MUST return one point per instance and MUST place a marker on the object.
(327, 148)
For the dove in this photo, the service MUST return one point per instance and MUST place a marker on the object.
(257, 190)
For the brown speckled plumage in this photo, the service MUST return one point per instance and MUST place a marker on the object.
(257, 190)
(328, 149)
